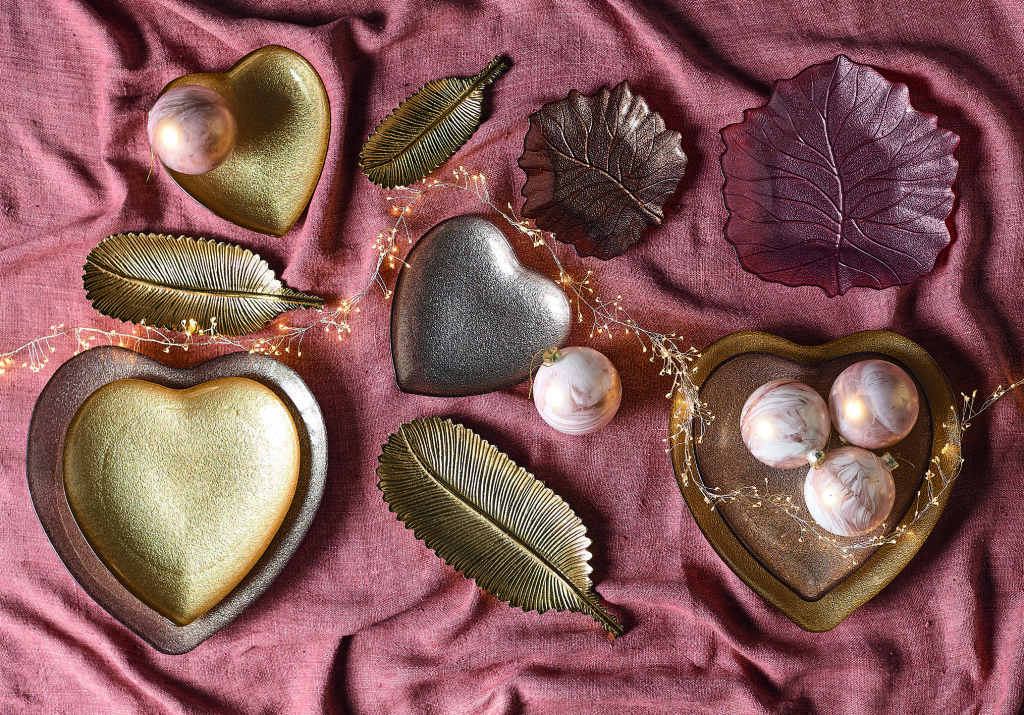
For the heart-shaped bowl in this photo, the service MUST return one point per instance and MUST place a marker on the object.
(284, 126)
(70, 387)
(467, 317)
(762, 529)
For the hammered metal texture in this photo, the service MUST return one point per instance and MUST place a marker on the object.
(467, 317)
(69, 388)
(809, 581)
(284, 125)
(179, 492)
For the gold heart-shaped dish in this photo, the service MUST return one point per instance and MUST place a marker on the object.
(284, 125)
(179, 492)
(815, 582)
(175, 497)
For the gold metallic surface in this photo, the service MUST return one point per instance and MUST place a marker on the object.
(284, 125)
(840, 596)
(489, 518)
(167, 282)
(179, 492)
(427, 128)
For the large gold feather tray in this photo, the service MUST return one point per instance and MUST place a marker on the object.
(489, 518)
(754, 515)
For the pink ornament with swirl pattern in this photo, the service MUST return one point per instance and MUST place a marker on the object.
(852, 492)
(577, 390)
(192, 129)
(783, 421)
(873, 404)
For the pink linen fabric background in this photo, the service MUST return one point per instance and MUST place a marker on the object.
(365, 619)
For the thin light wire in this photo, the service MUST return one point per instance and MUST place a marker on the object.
(606, 318)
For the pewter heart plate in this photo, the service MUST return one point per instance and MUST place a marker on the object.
(284, 126)
(467, 317)
(815, 582)
(80, 377)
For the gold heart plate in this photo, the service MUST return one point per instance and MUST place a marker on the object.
(816, 582)
(175, 496)
(284, 126)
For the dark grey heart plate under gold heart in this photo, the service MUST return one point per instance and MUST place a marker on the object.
(71, 386)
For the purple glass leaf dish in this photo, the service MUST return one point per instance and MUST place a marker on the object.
(838, 182)
(599, 170)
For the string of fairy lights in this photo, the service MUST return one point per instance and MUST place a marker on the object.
(606, 318)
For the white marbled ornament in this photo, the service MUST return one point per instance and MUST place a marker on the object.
(783, 421)
(578, 391)
(192, 129)
(873, 404)
(851, 493)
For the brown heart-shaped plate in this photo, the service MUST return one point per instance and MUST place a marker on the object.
(284, 125)
(52, 423)
(816, 582)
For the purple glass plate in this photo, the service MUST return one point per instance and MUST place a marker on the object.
(838, 182)
(69, 387)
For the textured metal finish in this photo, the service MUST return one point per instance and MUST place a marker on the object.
(69, 388)
(166, 282)
(809, 581)
(179, 492)
(599, 169)
(284, 125)
(489, 518)
(427, 128)
(467, 317)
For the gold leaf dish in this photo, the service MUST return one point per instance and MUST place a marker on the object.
(815, 581)
(489, 518)
(168, 282)
(427, 128)
(284, 126)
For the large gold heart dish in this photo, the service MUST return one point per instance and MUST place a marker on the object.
(815, 582)
(284, 125)
(179, 492)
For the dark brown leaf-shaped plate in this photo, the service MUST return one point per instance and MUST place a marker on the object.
(838, 182)
(815, 582)
(599, 170)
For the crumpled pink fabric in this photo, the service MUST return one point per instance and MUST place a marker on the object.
(365, 619)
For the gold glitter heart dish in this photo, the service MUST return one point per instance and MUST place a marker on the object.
(179, 492)
(762, 529)
(175, 497)
(284, 125)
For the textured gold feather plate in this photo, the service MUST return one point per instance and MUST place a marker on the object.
(225, 561)
(284, 125)
(813, 582)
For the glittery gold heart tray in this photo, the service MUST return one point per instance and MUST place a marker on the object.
(754, 515)
(168, 492)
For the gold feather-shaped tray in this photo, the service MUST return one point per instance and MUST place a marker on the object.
(186, 284)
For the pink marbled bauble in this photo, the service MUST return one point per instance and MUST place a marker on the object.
(192, 129)
(851, 493)
(873, 404)
(579, 392)
(782, 421)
